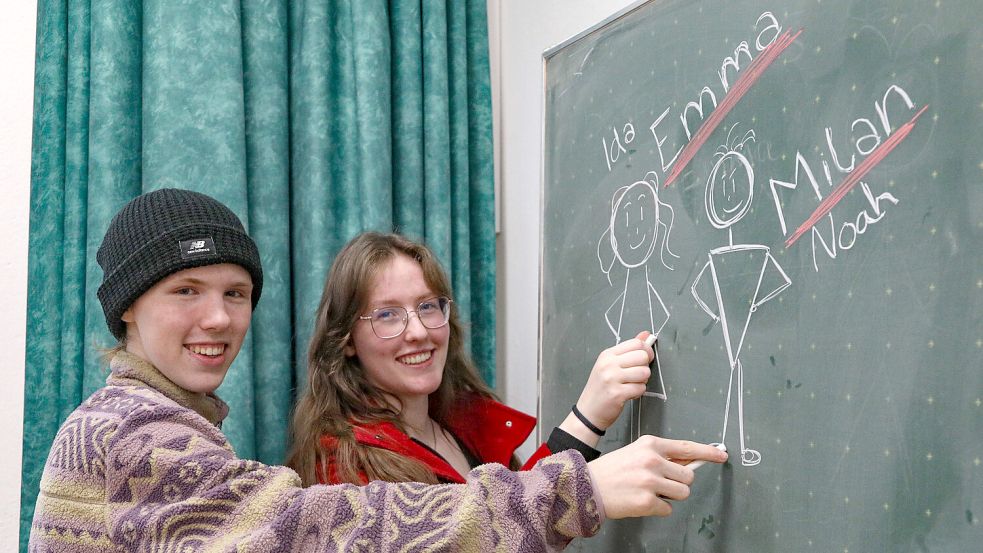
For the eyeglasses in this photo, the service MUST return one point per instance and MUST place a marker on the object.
(390, 322)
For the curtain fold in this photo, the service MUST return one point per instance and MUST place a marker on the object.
(312, 120)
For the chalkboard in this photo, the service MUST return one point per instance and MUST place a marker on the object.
(790, 194)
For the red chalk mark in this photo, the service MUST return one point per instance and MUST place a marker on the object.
(743, 84)
(854, 177)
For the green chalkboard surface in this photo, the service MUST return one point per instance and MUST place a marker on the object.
(791, 194)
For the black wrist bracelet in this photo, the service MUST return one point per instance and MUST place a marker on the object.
(590, 426)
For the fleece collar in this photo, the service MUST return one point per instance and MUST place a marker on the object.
(131, 370)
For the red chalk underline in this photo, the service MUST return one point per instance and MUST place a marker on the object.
(743, 84)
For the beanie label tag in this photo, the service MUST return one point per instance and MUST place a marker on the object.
(198, 247)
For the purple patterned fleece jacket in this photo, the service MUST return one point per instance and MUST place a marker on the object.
(142, 466)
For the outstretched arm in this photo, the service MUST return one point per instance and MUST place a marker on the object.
(172, 480)
(637, 479)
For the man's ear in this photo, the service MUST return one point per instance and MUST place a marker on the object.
(127, 316)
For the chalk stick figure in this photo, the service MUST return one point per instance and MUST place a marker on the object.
(639, 222)
(744, 276)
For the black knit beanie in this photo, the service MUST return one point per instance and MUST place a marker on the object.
(163, 232)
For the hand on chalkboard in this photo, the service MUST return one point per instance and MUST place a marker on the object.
(619, 375)
(638, 479)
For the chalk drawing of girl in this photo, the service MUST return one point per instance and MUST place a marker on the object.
(639, 222)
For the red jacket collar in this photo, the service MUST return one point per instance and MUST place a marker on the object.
(490, 429)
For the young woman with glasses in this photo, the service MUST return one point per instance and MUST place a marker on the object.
(142, 464)
(392, 394)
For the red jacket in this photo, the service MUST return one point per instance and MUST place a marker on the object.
(490, 429)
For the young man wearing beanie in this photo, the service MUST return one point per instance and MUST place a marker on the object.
(142, 465)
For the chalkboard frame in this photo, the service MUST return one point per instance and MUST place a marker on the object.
(917, 525)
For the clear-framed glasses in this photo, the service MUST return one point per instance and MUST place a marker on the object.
(390, 322)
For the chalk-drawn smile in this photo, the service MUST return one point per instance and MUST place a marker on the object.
(635, 213)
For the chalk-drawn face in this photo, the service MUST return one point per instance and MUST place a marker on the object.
(730, 189)
(633, 224)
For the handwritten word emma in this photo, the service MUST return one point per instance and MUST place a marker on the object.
(696, 111)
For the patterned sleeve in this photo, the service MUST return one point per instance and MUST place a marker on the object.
(174, 484)
(560, 440)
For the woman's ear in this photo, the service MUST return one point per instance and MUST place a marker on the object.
(348, 349)
(127, 316)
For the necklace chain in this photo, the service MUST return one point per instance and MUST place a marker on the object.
(433, 434)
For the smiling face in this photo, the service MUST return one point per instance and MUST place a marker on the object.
(633, 224)
(411, 365)
(729, 189)
(191, 324)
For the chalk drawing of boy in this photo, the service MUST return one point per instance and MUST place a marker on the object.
(748, 272)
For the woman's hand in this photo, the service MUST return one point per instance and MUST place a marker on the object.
(637, 479)
(619, 374)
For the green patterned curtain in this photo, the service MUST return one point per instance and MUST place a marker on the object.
(312, 120)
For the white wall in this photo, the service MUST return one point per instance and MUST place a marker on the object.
(520, 32)
(16, 106)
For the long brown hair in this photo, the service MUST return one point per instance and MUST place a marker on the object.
(338, 392)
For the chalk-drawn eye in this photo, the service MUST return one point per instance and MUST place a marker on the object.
(627, 211)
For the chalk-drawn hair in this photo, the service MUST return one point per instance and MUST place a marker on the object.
(339, 393)
(607, 246)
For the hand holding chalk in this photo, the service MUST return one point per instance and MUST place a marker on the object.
(619, 375)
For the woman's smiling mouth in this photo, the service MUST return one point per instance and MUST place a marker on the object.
(415, 358)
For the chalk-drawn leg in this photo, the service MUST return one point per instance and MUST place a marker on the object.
(659, 392)
(749, 457)
(657, 322)
(730, 389)
(635, 421)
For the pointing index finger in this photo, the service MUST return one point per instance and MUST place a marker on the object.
(686, 452)
(699, 463)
